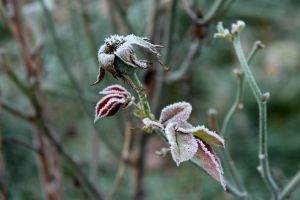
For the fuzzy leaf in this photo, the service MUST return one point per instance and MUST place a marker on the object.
(183, 146)
(209, 161)
(204, 134)
(177, 112)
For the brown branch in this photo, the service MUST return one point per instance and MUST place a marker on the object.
(122, 165)
(21, 142)
(6, 106)
(3, 179)
(211, 13)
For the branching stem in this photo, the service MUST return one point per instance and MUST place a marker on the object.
(262, 106)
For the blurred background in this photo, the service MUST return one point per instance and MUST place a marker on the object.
(51, 149)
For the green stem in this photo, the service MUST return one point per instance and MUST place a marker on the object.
(290, 187)
(228, 118)
(262, 106)
(141, 93)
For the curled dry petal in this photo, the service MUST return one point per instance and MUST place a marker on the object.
(210, 162)
(205, 134)
(177, 112)
(183, 146)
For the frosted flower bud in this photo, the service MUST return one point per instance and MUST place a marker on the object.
(117, 56)
(115, 97)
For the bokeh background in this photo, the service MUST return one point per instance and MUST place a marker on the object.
(80, 28)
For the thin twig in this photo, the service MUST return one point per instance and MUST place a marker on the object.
(40, 122)
(261, 99)
(180, 72)
(6, 106)
(122, 16)
(22, 142)
(64, 64)
(159, 78)
(210, 14)
(3, 176)
(290, 187)
(228, 118)
(152, 21)
(122, 165)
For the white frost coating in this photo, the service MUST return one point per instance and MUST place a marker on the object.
(211, 163)
(142, 42)
(114, 39)
(205, 130)
(111, 90)
(183, 146)
(177, 112)
(150, 123)
(106, 60)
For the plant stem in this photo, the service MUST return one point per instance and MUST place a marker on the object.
(180, 72)
(122, 16)
(262, 106)
(228, 118)
(142, 95)
(290, 187)
(64, 65)
(211, 13)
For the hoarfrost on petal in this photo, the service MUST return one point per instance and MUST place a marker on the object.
(183, 146)
(114, 89)
(209, 161)
(205, 134)
(177, 112)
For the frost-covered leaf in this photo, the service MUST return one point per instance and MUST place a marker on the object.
(177, 112)
(151, 123)
(183, 146)
(205, 134)
(210, 162)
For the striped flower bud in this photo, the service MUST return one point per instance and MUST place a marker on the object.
(116, 97)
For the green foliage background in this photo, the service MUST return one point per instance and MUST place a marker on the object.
(209, 83)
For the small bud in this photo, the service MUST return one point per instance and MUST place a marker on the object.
(261, 156)
(222, 33)
(238, 73)
(265, 97)
(259, 169)
(237, 27)
(240, 106)
(259, 45)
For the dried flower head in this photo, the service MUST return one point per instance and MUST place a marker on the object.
(115, 97)
(186, 141)
(118, 56)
